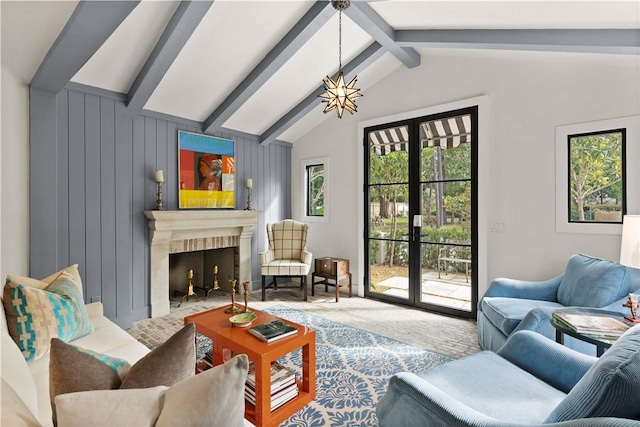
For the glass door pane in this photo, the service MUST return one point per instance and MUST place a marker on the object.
(388, 242)
(445, 206)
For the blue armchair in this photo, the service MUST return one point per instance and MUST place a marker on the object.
(511, 305)
(530, 381)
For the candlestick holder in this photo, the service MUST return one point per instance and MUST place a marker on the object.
(245, 285)
(233, 308)
(249, 206)
(159, 203)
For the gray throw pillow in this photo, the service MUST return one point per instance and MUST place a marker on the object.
(173, 361)
(73, 370)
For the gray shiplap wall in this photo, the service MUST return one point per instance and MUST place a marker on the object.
(92, 169)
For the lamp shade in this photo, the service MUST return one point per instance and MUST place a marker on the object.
(630, 246)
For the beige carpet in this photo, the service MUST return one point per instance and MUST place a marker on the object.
(451, 336)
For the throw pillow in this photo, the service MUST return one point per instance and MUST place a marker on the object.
(173, 361)
(592, 282)
(98, 371)
(610, 388)
(73, 370)
(212, 398)
(37, 312)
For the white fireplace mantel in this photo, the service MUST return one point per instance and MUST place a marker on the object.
(171, 230)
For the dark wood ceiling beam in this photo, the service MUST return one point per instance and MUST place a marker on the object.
(355, 66)
(368, 19)
(614, 41)
(183, 23)
(90, 25)
(311, 22)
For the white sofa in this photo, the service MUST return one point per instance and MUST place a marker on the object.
(25, 386)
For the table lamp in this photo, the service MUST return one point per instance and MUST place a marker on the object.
(630, 246)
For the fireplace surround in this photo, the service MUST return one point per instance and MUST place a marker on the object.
(186, 231)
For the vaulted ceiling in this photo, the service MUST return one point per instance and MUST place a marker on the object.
(257, 66)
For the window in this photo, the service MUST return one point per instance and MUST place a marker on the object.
(315, 190)
(315, 179)
(596, 176)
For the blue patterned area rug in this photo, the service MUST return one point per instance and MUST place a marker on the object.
(353, 368)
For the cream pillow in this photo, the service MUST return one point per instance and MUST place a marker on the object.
(212, 398)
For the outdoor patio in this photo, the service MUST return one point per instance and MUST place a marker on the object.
(450, 290)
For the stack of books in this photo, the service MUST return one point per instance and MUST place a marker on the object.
(589, 324)
(205, 363)
(272, 331)
(283, 385)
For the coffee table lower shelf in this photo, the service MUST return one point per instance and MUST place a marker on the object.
(283, 412)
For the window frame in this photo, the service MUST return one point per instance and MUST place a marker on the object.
(623, 132)
(631, 175)
(305, 164)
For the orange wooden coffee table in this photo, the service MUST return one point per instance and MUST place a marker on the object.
(215, 325)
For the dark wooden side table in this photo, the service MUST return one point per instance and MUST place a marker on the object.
(334, 269)
(602, 342)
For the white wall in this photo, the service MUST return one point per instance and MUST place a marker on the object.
(14, 176)
(529, 94)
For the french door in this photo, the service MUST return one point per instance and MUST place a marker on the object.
(421, 209)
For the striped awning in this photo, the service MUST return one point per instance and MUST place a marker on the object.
(445, 133)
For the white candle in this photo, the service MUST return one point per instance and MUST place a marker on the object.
(249, 183)
(159, 176)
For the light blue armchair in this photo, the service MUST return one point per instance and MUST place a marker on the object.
(511, 305)
(530, 381)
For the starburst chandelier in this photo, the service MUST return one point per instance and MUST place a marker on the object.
(338, 95)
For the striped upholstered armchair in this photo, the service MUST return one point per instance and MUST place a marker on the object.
(286, 256)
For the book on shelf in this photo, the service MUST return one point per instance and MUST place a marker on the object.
(278, 399)
(591, 324)
(273, 330)
(283, 385)
(280, 376)
(203, 365)
(275, 389)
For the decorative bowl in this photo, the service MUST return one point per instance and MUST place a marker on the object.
(242, 320)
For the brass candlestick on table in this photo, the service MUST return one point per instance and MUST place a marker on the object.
(245, 285)
(234, 308)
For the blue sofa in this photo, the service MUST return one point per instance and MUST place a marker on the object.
(511, 305)
(530, 381)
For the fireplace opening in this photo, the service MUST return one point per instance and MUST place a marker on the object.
(202, 263)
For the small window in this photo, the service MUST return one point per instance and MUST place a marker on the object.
(596, 177)
(315, 190)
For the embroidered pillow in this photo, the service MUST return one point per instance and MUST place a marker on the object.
(37, 312)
